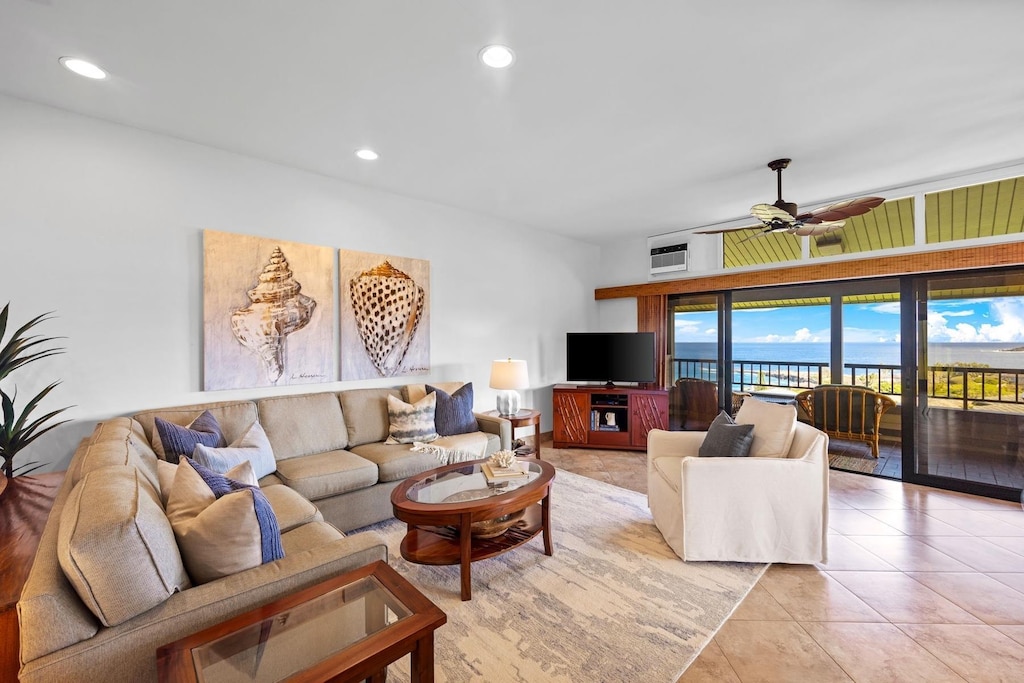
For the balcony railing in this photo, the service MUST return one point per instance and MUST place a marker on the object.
(966, 384)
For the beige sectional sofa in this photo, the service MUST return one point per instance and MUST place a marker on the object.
(108, 586)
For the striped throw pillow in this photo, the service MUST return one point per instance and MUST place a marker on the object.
(411, 423)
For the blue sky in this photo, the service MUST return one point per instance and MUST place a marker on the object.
(997, 319)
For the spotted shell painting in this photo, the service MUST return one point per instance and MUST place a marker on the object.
(385, 313)
(268, 312)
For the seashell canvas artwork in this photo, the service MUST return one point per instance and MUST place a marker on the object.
(385, 328)
(268, 312)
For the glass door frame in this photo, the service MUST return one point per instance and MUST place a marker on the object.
(913, 310)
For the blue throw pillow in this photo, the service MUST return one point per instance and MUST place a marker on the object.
(726, 439)
(178, 441)
(453, 413)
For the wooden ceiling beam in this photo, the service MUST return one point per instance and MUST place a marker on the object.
(941, 260)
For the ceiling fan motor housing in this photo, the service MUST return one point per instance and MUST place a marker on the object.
(788, 207)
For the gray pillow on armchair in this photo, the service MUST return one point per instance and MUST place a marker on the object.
(726, 439)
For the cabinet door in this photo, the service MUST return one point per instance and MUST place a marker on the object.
(647, 411)
(572, 411)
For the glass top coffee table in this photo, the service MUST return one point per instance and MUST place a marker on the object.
(455, 516)
(349, 627)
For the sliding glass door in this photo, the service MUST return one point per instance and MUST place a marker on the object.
(969, 408)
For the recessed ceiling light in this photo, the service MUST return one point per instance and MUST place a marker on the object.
(497, 56)
(367, 154)
(82, 67)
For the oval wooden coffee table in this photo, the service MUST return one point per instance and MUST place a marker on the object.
(453, 514)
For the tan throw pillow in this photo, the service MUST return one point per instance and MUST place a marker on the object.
(774, 427)
(412, 423)
(223, 534)
(166, 472)
(116, 547)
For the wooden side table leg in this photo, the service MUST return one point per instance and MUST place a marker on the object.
(545, 516)
(465, 553)
(421, 669)
(536, 439)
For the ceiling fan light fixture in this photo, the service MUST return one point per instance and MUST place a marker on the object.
(82, 68)
(497, 56)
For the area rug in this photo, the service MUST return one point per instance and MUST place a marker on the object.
(613, 603)
(852, 463)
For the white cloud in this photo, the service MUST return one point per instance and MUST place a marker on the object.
(889, 307)
(958, 314)
(754, 310)
(802, 335)
(711, 331)
(1009, 326)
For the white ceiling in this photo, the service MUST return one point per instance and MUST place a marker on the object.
(617, 119)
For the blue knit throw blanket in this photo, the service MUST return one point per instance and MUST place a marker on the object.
(270, 532)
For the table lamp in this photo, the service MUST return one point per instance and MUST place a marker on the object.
(507, 376)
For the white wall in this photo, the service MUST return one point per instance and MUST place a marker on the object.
(103, 224)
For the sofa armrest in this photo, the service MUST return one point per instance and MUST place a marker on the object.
(128, 651)
(496, 425)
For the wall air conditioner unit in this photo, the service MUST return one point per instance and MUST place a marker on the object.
(829, 244)
(668, 259)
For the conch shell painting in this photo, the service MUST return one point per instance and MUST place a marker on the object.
(384, 319)
(268, 312)
(277, 309)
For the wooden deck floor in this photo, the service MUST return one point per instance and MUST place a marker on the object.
(982, 445)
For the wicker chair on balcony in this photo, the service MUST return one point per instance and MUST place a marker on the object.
(846, 412)
(694, 403)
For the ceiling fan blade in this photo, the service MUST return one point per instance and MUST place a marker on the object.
(719, 232)
(770, 214)
(841, 210)
(815, 229)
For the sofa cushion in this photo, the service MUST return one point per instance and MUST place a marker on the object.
(414, 392)
(414, 422)
(366, 414)
(774, 426)
(396, 461)
(726, 439)
(234, 417)
(118, 441)
(235, 531)
(475, 443)
(327, 474)
(453, 413)
(116, 546)
(253, 447)
(309, 537)
(176, 440)
(290, 508)
(303, 424)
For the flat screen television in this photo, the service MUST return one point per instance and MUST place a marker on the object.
(609, 357)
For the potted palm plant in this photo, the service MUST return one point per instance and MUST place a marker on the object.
(17, 431)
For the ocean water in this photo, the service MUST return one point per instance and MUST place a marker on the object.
(1008, 355)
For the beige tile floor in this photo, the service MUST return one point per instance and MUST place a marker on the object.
(921, 585)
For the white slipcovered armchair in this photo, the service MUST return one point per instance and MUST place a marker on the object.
(742, 509)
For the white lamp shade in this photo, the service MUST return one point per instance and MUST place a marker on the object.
(509, 374)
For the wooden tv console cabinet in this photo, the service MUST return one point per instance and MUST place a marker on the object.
(597, 416)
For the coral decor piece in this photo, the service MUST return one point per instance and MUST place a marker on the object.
(503, 459)
(278, 309)
(385, 307)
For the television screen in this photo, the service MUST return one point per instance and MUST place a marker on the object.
(609, 357)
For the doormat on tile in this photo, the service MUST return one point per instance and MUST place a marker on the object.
(613, 603)
(852, 463)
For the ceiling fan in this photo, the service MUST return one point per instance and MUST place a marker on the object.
(782, 216)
